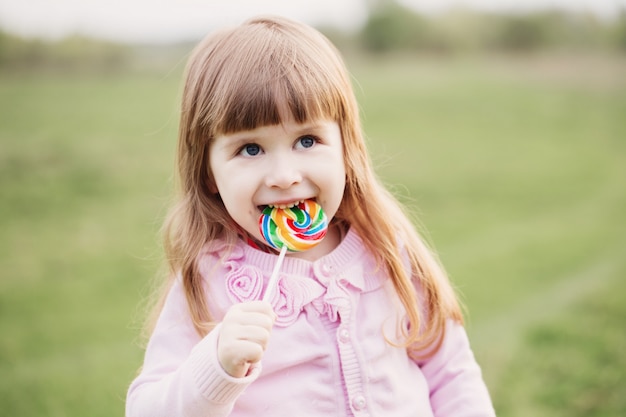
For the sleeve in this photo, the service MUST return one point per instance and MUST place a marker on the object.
(181, 375)
(455, 379)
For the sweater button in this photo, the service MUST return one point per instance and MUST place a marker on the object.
(344, 335)
(358, 402)
(327, 269)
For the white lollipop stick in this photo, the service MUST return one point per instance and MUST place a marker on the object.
(274, 277)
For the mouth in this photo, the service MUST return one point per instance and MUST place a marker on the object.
(283, 205)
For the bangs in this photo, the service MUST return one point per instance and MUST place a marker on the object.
(265, 104)
(279, 73)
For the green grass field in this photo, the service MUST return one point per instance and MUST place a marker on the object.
(515, 167)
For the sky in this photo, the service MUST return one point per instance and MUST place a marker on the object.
(177, 20)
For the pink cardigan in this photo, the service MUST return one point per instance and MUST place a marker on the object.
(327, 355)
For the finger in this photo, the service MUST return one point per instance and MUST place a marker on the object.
(255, 318)
(242, 351)
(238, 356)
(255, 334)
(251, 352)
(257, 306)
(233, 332)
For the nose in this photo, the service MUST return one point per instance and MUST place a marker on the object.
(283, 173)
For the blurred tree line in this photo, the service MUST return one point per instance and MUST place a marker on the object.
(69, 54)
(390, 27)
(78, 53)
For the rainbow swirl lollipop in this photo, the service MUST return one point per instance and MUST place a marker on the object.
(298, 228)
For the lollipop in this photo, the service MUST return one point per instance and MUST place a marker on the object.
(296, 228)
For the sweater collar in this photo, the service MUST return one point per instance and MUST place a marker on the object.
(350, 249)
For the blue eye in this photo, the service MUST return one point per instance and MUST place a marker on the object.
(251, 149)
(307, 141)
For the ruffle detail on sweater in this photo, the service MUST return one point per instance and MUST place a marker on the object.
(301, 284)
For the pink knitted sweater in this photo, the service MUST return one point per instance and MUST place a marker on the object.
(327, 355)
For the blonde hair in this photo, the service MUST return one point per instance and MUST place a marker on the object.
(238, 79)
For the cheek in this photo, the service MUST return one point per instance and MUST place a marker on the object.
(341, 176)
(237, 194)
(219, 181)
(335, 185)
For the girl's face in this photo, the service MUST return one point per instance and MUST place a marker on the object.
(280, 165)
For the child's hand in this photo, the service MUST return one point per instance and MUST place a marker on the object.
(244, 336)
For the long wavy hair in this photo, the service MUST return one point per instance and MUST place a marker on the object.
(238, 79)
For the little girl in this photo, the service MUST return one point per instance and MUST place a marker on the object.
(363, 324)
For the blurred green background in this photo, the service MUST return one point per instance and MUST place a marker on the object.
(505, 134)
